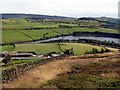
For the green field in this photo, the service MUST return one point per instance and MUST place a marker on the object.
(7, 48)
(51, 47)
(9, 36)
(14, 63)
(23, 24)
(16, 30)
(79, 49)
(16, 24)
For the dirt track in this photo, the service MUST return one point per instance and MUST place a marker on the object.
(41, 74)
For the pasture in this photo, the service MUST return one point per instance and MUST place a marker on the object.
(10, 36)
(79, 49)
(17, 24)
(67, 73)
(14, 63)
(21, 29)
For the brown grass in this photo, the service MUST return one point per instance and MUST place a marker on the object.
(41, 74)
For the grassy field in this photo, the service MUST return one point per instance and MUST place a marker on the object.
(73, 72)
(9, 36)
(51, 47)
(8, 48)
(23, 24)
(10, 24)
(14, 63)
(14, 30)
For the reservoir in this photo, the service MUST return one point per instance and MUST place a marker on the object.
(80, 37)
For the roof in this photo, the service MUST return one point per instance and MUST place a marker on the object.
(27, 52)
(22, 54)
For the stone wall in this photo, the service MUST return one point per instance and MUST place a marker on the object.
(10, 75)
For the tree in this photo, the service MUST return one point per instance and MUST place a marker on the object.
(107, 50)
(87, 52)
(94, 50)
(12, 44)
(102, 50)
(6, 59)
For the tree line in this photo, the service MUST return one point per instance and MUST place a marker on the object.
(97, 33)
(95, 51)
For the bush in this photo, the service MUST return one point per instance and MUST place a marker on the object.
(102, 50)
(93, 51)
(84, 81)
(6, 59)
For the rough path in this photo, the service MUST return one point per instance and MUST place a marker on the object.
(41, 74)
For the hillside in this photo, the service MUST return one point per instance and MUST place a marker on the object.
(9, 36)
(102, 19)
(15, 15)
(34, 29)
(105, 22)
(64, 73)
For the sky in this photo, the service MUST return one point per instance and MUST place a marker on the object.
(71, 8)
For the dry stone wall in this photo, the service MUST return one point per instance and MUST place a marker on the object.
(10, 75)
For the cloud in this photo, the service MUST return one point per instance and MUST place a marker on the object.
(75, 8)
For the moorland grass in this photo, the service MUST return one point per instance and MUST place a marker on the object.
(91, 75)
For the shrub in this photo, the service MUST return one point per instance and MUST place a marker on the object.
(6, 59)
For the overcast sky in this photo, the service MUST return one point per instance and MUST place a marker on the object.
(74, 8)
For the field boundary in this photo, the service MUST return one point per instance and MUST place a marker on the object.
(10, 75)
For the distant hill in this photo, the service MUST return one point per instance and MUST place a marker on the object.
(15, 15)
(12, 15)
(105, 22)
(108, 19)
(102, 19)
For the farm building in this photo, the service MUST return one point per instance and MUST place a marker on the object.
(21, 54)
(34, 53)
(2, 55)
(69, 51)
